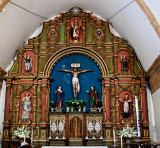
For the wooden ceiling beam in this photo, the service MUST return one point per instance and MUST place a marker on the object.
(150, 16)
(3, 3)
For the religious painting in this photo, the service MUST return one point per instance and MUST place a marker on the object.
(52, 35)
(76, 30)
(125, 105)
(123, 62)
(28, 63)
(26, 105)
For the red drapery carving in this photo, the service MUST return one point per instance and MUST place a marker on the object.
(107, 105)
(144, 104)
(7, 106)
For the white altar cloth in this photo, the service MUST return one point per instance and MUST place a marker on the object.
(74, 147)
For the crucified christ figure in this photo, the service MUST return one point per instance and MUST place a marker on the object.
(75, 80)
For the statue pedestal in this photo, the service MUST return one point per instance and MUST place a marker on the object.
(58, 109)
(93, 109)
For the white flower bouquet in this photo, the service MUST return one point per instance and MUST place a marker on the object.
(128, 132)
(22, 132)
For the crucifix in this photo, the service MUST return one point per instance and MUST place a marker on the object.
(75, 80)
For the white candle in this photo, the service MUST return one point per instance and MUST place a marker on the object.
(32, 137)
(138, 121)
(114, 136)
(121, 141)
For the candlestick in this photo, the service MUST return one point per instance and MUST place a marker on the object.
(138, 121)
(32, 137)
(114, 136)
(121, 141)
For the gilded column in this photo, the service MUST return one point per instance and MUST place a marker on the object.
(44, 104)
(84, 126)
(107, 104)
(7, 105)
(144, 104)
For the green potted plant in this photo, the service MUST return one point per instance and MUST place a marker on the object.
(52, 105)
(22, 132)
(99, 105)
(68, 105)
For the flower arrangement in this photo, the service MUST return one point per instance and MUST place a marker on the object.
(128, 132)
(76, 105)
(22, 132)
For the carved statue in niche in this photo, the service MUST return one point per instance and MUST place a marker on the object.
(75, 80)
(27, 63)
(93, 97)
(26, 106)
(76, 29)
(125, 106)
(59, 97)
(124, 63)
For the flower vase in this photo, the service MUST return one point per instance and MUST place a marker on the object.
(52, 109)
(24, 142)
(79, 109)
(128, 142)
(68, 109)
(84, 108)
(72, 109)
(100, 109)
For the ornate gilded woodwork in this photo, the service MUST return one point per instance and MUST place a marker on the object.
(52, 45)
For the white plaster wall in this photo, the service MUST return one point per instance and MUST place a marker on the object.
(151, 116)
(156, 103)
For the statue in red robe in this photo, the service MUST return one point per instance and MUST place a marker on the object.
(126, 106)
(59, 97)
(76, 30)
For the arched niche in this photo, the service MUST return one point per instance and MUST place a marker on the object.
(21, 106)
(121, 103)
(31, 57)
(75, 50)
(86, 80)
(121, 55)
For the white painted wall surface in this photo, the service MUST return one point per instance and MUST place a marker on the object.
(151, 116)
(156, 104)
